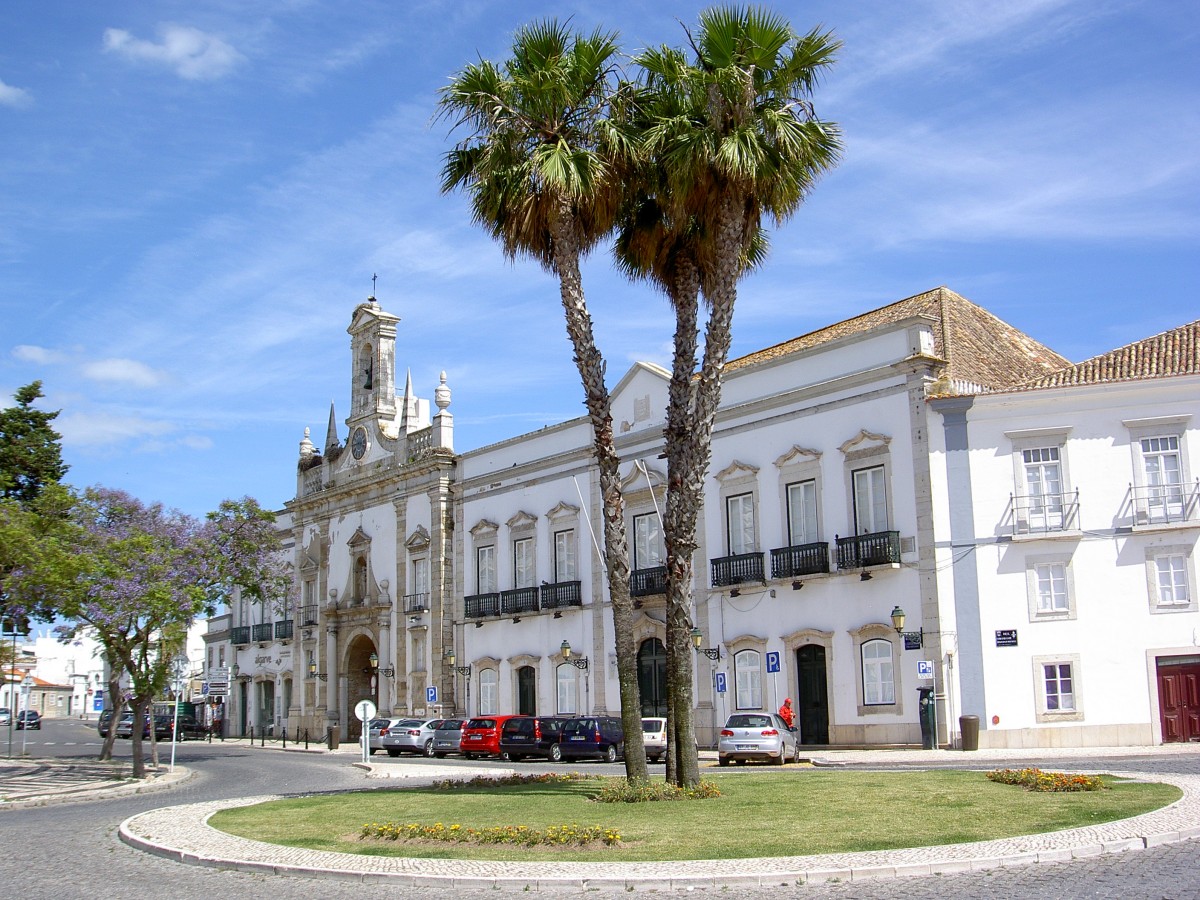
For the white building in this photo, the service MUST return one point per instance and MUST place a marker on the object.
(883, 464)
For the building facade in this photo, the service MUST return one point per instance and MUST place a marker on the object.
(895, 463)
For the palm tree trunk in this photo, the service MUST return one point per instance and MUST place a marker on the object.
(590, 364)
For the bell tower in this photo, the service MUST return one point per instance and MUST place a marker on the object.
(373, 367)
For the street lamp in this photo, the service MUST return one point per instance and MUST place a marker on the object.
(913, 640)
(713, 653)
(579, 662)
(464, 671)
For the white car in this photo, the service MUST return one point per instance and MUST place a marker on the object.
(654, 737)
(758, 736)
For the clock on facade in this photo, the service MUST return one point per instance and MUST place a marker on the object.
(358, 443)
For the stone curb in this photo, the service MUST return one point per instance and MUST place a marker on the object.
(182, 833)
(89, 792)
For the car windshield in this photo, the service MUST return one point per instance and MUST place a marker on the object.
(653, 724)
(451, 725)
(748, 722)
(482, 723)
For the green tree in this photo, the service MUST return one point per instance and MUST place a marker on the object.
(534, 166)
(30, 449)
(727, 134)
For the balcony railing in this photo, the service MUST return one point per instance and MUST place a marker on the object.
(644, 582)
(518, 600)
(737, 569)
(263, 632)
(240, 634)
(308, 614)
(802, 559)
(561, 594)
(479, 606)
(1164, 504)
(1043, 513)
(415, 603)
(877, 549)
(283, 630)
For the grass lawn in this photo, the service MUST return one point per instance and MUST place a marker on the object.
(798, 812)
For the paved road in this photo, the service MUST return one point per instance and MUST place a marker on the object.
(71, 850)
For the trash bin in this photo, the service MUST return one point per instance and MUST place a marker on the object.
(969, 726)
(928, 714)
(331, 738)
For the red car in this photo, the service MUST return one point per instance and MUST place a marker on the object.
(481, 736)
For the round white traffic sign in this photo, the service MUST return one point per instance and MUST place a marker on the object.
(365, 710)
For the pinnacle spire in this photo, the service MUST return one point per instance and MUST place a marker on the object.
(331, 433)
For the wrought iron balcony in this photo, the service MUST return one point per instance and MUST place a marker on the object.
(561, 594)
(737, 569)
(518, 600)
(877, 549)
(263, 632)
(1164, 504)
(644, 582)
(802, 559)
(283, 630)
(1044, 513)
(479, 606)
(415, 603)
(308, 614)
(240, 634)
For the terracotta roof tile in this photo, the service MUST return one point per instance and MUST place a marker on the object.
(979, 348)
(1174, 352)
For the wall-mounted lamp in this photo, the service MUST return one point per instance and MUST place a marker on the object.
(465, 671)
(713, 653)
(478, 624)
(913, 640)
(372, 664)
(579, 662)
(796, 585)
(558, 614)
(865, 576)
(516, 619)
(388, 672)
(735, 593)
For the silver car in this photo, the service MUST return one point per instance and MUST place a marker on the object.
(410, 736)
(447, 737)
(376, 729)
(757, 736)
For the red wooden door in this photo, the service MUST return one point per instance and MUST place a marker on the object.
(1179, 701)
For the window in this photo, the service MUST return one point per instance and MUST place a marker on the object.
(748, 679)
(1043, 487)
(1171, 580)
(870, 500)
(487, 692)
(1051, 588)
(564, 556)
(523, 566)
(802, 513)
(740, 510)
(565, 679)
(1060, 687)
(879, 685)
(1164, 475)
(220, 657)
(420, 575)
(485, 570)
(647, 542)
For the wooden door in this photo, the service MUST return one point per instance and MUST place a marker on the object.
(1179, 701)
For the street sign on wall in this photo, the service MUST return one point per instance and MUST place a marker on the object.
(720, 682)
(772, 662)
(431, 694)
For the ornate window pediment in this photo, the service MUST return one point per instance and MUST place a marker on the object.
(359, 540)
(563, 511)
(418, 540)
(483, 528)
(796, 456)
(639, 475)
(736, 470)
(522, 521)
(865, 442)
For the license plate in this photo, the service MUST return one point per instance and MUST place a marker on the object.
(747, 746)
(578, 738)
(475, 737)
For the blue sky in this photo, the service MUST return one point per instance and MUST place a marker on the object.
(196, 195)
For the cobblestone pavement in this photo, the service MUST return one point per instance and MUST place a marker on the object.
(72, 849)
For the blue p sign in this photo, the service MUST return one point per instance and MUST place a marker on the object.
(772, 662)
(431, 694)
(720, 682)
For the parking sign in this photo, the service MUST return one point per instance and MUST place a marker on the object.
(720, 682)
(772, 662)
(925, 669)
(431, 694)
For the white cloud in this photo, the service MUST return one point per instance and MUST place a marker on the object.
(40, 356)
(192, 54)
(102, 429)
(17, 98)
(123, 371)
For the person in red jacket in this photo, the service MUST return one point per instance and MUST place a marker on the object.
(787, 713)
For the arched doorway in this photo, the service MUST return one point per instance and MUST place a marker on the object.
(812, 694)
(526, 691)
(652, 677)
(362, 682)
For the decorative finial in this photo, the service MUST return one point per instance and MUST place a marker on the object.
(374, 278)
(441, 394)
(306, 446)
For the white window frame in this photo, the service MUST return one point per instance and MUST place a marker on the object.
(869, 499)
(648, 548)
(741, 531)
(566, 680)
(1052, 571)
(878, 672)
(524, 562)
(564, 556)
(1177, 563)
(420, 575)
(747, 679)
(1038, 509)
(1057, 705)
(803, 517)
(488, 691)
(485, 569)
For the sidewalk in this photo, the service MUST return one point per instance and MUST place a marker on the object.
(41, 782)
(182, 833)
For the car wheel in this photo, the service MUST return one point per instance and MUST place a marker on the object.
(780, 759)
(468, 756)
(610, 753)
(796, 756)
(440, 755)
(506, 756)
(555, 753)
(429, 748)
(393, 752)
(722, 760)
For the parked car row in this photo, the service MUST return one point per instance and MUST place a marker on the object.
(164, 727)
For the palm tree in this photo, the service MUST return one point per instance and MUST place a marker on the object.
(534, 167)
(725, 137)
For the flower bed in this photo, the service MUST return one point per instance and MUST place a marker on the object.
(1052, 782)
(556, 835)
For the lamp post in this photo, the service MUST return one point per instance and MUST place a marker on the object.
(913, 640)
(465, 672)
(581, 663)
